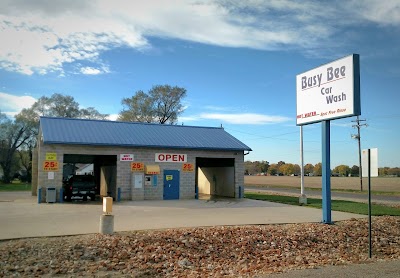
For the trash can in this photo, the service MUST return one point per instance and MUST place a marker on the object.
(51, 194)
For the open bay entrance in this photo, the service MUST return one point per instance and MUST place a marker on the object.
(215, 177)
(103, 168)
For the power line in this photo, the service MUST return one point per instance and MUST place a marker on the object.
(357, 136)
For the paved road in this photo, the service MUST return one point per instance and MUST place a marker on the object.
(21, 216)
(358, 197)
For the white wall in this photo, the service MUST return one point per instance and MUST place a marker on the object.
(217, 181)
(203, 183)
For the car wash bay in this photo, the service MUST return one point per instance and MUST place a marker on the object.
(216, 176)
(104, 170)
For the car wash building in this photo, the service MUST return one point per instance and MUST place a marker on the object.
(139, 161)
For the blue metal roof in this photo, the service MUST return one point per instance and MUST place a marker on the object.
(128, 134)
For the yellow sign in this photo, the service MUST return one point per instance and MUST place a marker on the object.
(152, 170)
(169, 177)
(50, 166)
(187, 167)
(51, 156)
(137, 166)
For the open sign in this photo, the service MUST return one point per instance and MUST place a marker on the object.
(170, 157)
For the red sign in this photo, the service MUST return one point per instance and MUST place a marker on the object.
(137, 167)
(187, 167)
(50, 166)
(170, 157)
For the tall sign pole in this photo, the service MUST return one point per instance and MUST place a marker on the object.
(326, 172)
(303, 197)
(325, 93)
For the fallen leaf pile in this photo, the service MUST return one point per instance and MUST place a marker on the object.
(230, 251)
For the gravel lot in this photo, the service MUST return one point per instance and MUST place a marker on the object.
(231, 251)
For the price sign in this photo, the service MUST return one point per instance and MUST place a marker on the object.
(187, 167)
(50, 166)
(137, 167)
(51, 156)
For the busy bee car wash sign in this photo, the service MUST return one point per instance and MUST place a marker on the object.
(329, 92)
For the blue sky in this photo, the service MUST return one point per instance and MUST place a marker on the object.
(237, 59)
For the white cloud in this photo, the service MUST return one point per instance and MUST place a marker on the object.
(38, 43)
(93, 71)
(113, 117)
(41, 36)
(240, 118)
(382, 12)
(188, 119)
(12, 105)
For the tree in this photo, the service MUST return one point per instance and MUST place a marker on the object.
(287, 169)
(58, 105)
(342, 170)
(355, 171)
(25, 162)
(162, 104)
(394, 171)
(21, 133)
(383, 171)
(249, 168)
(297, 170)
(138, 108)
(261, 166)
(256, 167)
(92, 114)
(14, 134)
(280, 163)
(308, 169)
(273, 169)
(318, 169)
(55, 106)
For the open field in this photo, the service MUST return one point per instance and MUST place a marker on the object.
(389, 184)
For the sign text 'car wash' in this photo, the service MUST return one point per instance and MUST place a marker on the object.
(329, 92)
(171, 157)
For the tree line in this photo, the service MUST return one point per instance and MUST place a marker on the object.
(161, 104)
(288, 169)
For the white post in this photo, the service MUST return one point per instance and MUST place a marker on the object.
(303, 197)
(107, 219)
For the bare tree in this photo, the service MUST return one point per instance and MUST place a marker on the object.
(162, 104)
(14, 134)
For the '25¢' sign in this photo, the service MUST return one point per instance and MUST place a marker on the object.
(50, 166)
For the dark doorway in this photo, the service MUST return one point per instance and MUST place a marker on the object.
(103, 168)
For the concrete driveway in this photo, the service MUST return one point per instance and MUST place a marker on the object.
(21, 216)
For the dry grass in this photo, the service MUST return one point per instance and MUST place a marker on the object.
(347, 183)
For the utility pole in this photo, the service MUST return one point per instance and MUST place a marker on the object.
(358, 125)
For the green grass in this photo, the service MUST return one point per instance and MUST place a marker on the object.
(15, 186)
(365, 191)
(337, 205)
